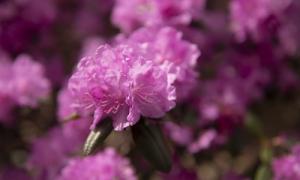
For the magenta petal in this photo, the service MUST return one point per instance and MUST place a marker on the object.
(134, 114)
(120, 119)
(97, 117)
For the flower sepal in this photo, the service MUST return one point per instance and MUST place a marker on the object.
(97, 136)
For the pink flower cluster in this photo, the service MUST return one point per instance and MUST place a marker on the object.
(22, 83)
(168, 46)
(50, 152)
(130, 15)
(21, 21)
(74, 125)
(105, 166)
(266, 19)
(287, 167)
(250, 16)
(138, 61)
(133, 78)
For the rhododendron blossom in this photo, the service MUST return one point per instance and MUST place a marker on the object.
(22, 83)
(73, 124)
(178, 133)
(186, 89)
(288, 166)
(168, 46)
(130, 15)
(118, 83)
(29, 84)
(250, 17)
(105, 165)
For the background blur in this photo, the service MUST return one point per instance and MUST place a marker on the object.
(241, 114)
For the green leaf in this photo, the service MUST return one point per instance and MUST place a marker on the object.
(266, 155)
(254, 125)
(97, 136)
(150, 141)
(263, 173)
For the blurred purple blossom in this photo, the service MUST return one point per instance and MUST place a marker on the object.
(130, 15)
(77, 127)
(289, 30)
(249, 17)
(29, 84)
(21, 21)
(207, 139)
(287, 167)
(65, 101)
(51, 152)
(180, 134)
(105, 165)
(265, 19)
(22, 83)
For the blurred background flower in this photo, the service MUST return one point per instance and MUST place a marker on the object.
(152, 89)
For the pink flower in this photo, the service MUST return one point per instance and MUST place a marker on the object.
(90, 45)
(78, 127)
(180, 134)
(28, 84)
(23, 21)
(206, 140)
(221, 98)
(65, 109)
(168, 47)
(21, 83)
(120, 83)
(130, 15)
(249, 17)
(288, 32)
(288, 166)
(106, 165)
(50, 152)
